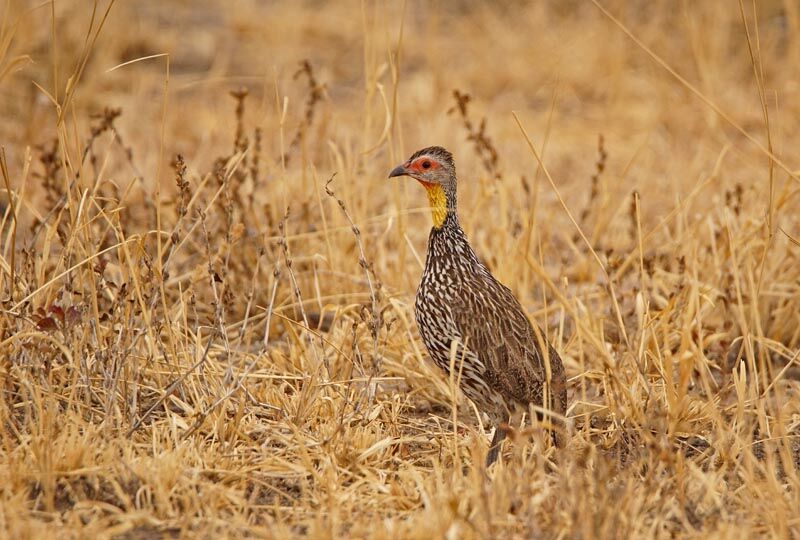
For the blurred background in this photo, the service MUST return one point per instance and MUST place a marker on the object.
(382, 81)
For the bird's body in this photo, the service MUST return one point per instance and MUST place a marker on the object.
(473, 324)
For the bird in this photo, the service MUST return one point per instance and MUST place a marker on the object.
(470, 322)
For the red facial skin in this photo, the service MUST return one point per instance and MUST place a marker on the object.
(418, 166)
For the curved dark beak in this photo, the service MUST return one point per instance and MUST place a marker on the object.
(400, 170)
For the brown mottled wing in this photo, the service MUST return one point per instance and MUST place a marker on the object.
(494, 326)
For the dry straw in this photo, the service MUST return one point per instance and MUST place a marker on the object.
(226, 347)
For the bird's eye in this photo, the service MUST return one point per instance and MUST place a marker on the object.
(426, 164)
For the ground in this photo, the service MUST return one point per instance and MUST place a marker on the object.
(207, 279)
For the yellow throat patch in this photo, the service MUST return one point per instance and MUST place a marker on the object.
(438, 201)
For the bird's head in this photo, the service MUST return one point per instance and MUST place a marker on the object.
(433, 165)
(434, 168)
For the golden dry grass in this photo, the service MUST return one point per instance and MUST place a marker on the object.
(182, 356)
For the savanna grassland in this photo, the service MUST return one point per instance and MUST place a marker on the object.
(207, 280)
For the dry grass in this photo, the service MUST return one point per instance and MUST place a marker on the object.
(202, 334)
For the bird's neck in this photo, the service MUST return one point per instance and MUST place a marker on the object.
(442, 203)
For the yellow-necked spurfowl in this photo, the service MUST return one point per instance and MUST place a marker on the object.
(470, 320)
